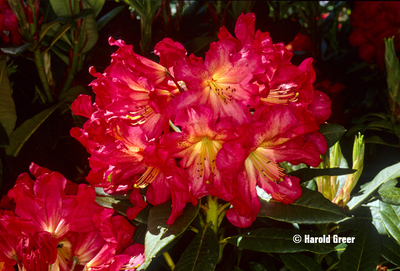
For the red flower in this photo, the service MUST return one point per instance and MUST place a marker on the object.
(8, 23)
(56, 230)
(253, 159)
(373, 21)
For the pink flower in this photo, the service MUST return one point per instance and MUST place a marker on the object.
(253, 159)
(58, 230)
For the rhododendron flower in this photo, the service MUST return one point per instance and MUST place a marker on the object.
(8, 23)
(301, 43)
(373, 21)
(254, 159)
(55, 230)
(187, 127)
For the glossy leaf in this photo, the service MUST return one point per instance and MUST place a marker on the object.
(202, 252)
(390, 195)
(300, 262)
(118, 205)
(8, 115)
(26, 129)
(332, 133)
(15, 51)
(367, 189)
(279, 241)
(108, 17)
(306, 174)
(390, 215)
(159, 234)
(391, 250)
(374, 207)
(364, 253)
(311, 208)
(96, 5)
(379, 140)
(62, 7)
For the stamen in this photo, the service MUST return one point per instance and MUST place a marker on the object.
(225, 94)
(147, 178)
(283, 95)
(141, 115)
(267, 168)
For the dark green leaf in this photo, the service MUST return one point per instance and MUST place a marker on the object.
(332, 133)
(117, 204)
(311, 208)
(202, 252)
(3, 137)
(8, 115)
(306, 174)
(108, 17)
(279, 241)
(390, 215)
(26, 129)
(393, 73)
(364, 253)
(257, 267)
(89, 35)
(367, 189)
(96, 5)
(195, 45)
(62, 7)
(300, 262)
(391, 250)
(390, 195)
(159, 234)
(15, 51)
(378, 140)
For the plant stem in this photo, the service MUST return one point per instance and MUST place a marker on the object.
(212, 213)
(42, 74)
(169, 260)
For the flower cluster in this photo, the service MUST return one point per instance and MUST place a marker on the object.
(187, 127)
(57, 225)
(373, 21)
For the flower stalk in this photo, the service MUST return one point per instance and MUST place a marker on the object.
(212, 213)
(169, 260)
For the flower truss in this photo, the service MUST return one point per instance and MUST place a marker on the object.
(372, 22)
(187, 127)
(57, 225)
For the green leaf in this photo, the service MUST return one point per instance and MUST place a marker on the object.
(58, 35)
(3, 137)
(390, 195)
(96, 5)
(382, 125)
(159, 234)
(15, 51)
(8, 115)
(108, 17)
(62, 8)
(391, 250)
(390, 215)
(332, 133)
(26, 129)
(374, 207)
(300, 262)
(393, 74)
(364, 253)
(367, 189)
(197, 44)
(311, 208)
(378, 140)
(256, 267)
(23, 132)
(202, 252)
(279, 241)
(118, 205)
(89, 34)
(306, 174)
